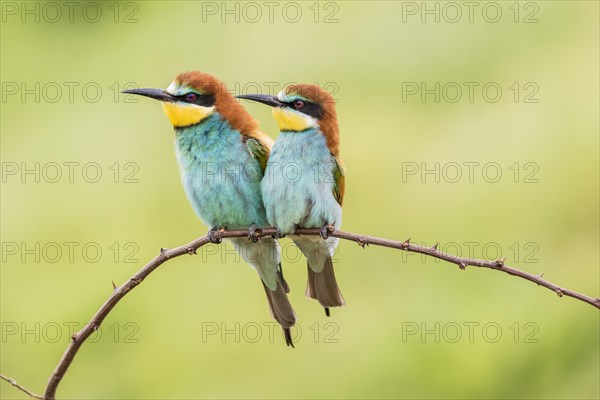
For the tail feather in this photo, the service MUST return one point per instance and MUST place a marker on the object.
(286, 287)
(288, 337)
(281, 309)
(323, 287)
(265, 258)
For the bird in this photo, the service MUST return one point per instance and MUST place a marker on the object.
(222, 156)
(304, 182)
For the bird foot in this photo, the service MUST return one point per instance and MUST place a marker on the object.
(254, 233)
(212, 235)
(326, 231)
(278, 234)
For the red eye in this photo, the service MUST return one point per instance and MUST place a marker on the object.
(191, 97)
(298, 104)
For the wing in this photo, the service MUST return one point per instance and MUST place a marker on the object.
(339, 179)
(260, 150)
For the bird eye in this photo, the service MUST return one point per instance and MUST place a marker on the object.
(191, 97)
(298, 104)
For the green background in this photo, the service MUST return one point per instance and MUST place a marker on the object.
(155, 343)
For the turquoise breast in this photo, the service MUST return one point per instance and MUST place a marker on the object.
(220, 177)
(298, 185)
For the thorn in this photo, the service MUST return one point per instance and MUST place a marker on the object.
(163, 249)
(539, 276)
(435, 246)
(500, 262)
(462, 266)
(191, 251)
(559, 293)
(361, 242)
(114, 286)
(74, 336)
(405, 244)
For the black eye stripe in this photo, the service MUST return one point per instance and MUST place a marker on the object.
(312, 109)
(204, 100)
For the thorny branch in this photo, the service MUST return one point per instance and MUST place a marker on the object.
(166, 254)
(21, 388)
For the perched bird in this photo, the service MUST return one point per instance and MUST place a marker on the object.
(222, 158)
(304, 181)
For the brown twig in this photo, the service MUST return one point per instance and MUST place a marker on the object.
(166, 254)
(462, 263)
(21, 388)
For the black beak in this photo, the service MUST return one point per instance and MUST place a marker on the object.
(262, 98)
(157, 94)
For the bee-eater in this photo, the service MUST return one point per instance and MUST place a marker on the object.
(222, 158)
(304, 180)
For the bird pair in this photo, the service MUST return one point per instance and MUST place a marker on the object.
(235, 176)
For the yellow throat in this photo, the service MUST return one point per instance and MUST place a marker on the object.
(289, 120)
(182, 115)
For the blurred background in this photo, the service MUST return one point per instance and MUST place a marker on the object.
(475, 126)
